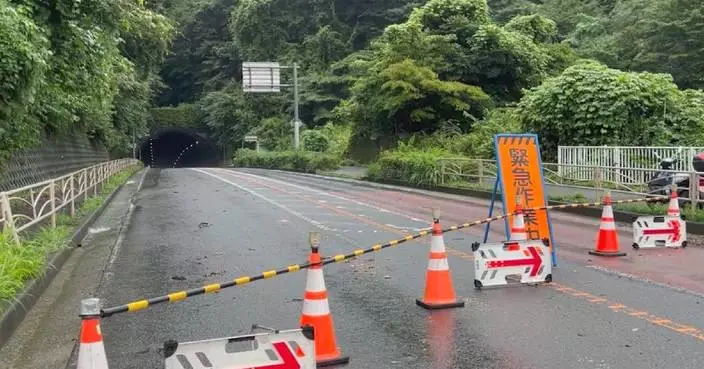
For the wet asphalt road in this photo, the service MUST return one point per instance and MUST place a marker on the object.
(193, 227)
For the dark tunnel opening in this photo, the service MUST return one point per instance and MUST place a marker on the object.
(179, 149)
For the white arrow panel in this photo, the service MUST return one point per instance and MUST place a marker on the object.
(512, 262)
(287, 349)
(659, 231)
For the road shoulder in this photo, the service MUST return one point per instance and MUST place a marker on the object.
(48, 334)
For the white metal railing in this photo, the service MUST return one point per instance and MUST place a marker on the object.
(629, 181)
(25, 207)
(629, 160)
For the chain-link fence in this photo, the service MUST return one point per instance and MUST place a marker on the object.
(53, 158)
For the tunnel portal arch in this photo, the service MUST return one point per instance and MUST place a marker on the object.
(179, 148)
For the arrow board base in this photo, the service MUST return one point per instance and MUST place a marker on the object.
(450, 305)
(654, 232)
(331, 362)
(511, 263)
(293, 349)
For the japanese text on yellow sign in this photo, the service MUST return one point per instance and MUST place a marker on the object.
(520, 172)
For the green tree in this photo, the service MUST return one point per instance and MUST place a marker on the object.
(535, 26)
(590, 104)
(407, 98)
(24, 55)
(503, 63)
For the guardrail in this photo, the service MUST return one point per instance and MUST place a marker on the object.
(23, 208)
(627, 157)
(633, 181)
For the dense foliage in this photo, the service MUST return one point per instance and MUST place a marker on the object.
(299, 161)
(662, 36)
(70, 66)
(373, 74)
(593, 105)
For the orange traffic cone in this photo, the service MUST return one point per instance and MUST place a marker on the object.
(439, 293)
(607, 241)
(518, 228)
(316, 312)
(674, 208)
(91, 352)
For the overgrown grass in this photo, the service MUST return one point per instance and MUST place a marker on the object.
(571, 198)
(21, 263)
(410, 165)
(299, 161)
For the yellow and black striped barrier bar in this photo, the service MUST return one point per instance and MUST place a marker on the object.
(182, 295)
(592, 204)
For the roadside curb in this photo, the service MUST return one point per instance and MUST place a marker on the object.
(18, 309)
(455, 193)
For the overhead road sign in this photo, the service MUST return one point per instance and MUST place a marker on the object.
(261, 77)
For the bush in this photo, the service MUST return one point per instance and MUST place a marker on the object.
(315, 141)
(409, 165)
(339, 137)
(479, 143)
(299, 161)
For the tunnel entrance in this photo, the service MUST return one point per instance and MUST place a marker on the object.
(178, 148)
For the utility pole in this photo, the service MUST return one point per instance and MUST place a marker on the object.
(265, 77)
(296, 120)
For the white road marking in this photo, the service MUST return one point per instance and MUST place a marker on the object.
(98, 230)
(642, 279)
(325, 193)
(121, 233)
(270, 201)
(413, 229)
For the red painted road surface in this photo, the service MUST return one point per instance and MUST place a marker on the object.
(574, 235)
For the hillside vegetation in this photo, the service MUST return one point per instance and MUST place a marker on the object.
(439, 76)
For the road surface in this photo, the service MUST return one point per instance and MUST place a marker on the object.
(552, 190)
(196, 226)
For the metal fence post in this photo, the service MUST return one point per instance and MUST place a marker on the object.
(693, 190)
(85, 184)
(597, 182)
(73, 196)
(442, 172)
(31, 199)
(695, 193)
(480, 172)
(9, 220)
(95, 181)
(52, 198)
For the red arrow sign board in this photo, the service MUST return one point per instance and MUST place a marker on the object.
(674, 231)
(535, 261)
(290, 361)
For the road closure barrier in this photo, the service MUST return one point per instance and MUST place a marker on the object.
(607, 239)
(659, 231)
(316, 311)
(291, 349)
(215, 287)
(517, 261)
(91, 351)
(511, 262)
(439, 292)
